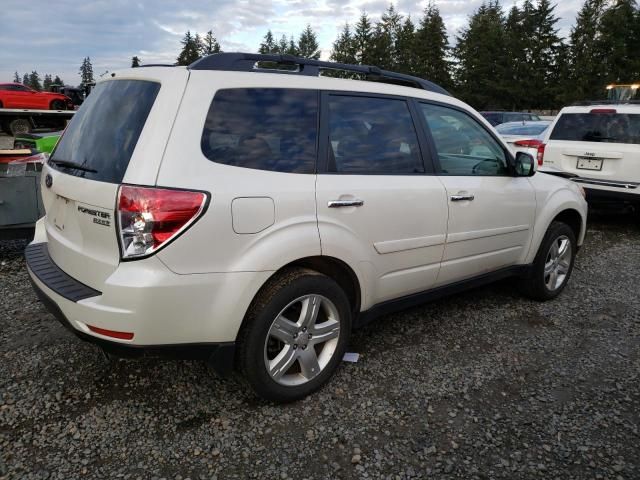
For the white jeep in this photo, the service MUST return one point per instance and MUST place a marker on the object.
(599, 145)
(249, 211)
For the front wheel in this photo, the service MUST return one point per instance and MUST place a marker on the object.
(58, 105)
(553, 264)
(295, 335)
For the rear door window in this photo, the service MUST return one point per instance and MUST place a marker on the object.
(598, 127)
(372, 135)
(263, 128)
(102, 135)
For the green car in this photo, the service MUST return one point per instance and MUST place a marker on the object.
(43, 142)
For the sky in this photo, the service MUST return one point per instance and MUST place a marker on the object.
(53, 37)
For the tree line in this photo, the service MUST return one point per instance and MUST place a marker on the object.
(514, 60)
(511, 59)
(33, 80)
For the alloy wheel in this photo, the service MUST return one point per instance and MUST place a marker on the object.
(558, 262)
(302, 340)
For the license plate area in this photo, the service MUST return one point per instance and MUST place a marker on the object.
(587, 163)
(59, 212)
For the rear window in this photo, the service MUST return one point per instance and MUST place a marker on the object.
(263, 128)
(493, 118)
(520, 129)
(104, 132)
(598, 127)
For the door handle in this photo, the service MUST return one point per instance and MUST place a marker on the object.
(460, 198)
(345, 203)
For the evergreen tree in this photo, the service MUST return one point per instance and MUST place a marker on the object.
(210, 44)
(432, 48)
(308, 44)
(363, 40)
(86, 71)
(135, 62)
(586, 57)
(383, 46)
(292, 49)
(619, 34)
(481, 55)
(47, 82)
(407, 49)
(16, 78)
(542, 51)
(25, 79)
(268, 44)
(34, 81)
(344, 47)
(58, 80)
(283, 45)
(516, 67)
(191, 48)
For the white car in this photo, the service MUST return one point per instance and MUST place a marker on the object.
(249, 212)
(524, 137)
(600, 145)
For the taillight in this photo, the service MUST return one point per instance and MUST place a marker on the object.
(533, 143)
(149, 218)
(540, 154)
(603, 111)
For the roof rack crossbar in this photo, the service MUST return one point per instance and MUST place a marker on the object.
(248, 62)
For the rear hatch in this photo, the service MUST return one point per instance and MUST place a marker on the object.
(118, 136)
(599, 143)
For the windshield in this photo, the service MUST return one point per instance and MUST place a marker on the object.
(598, 127)
(102, 135)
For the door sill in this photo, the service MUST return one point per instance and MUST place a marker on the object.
(402, 303)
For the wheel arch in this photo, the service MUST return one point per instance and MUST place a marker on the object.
(571, 217)
(332, 267)
(561, 206)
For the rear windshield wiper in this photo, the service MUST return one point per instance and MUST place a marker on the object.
(77, 166)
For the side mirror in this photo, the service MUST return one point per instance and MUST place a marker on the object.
(524, 165)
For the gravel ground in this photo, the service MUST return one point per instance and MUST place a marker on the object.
(483, 385)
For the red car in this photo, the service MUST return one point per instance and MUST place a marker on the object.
(16, 95)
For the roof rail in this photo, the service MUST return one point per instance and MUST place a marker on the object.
(248, 62)
(587, 103)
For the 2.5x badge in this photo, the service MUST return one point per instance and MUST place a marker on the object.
(99, 217)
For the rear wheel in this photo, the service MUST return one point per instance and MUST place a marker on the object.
(58, 105)
(553, 264)
(295, 335)
(19, 126)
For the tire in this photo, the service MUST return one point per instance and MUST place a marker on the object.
(58, 105)
(551, 268)
(19, 126)
(265, 343)
(1, 105)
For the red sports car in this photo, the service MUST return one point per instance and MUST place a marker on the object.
(16, 95)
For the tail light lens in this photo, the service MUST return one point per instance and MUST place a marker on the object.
(540, 155)
(533, 143)
(149, 218)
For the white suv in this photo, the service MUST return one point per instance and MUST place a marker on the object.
(600, 145)
(250, 212)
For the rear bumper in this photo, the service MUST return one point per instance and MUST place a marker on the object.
(182, 316)
(602, 195)
(219, 356)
